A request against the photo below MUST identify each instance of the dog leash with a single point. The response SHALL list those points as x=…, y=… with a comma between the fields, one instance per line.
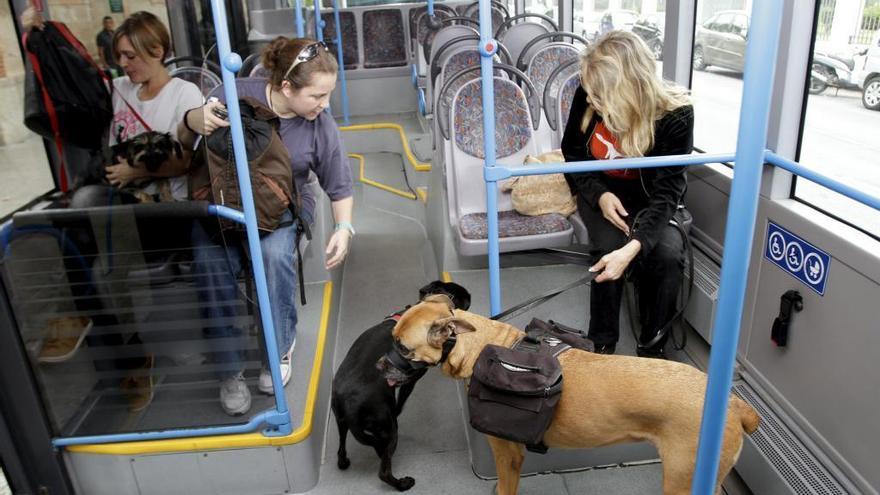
x=537, y=301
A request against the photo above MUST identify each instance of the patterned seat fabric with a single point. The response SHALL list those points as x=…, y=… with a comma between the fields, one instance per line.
x=512, y=123
x=546, y=60
x=349, y=37
x=385, y=25
x=565, y=98
x=512, y=224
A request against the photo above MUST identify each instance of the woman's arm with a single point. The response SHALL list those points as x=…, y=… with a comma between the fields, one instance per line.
x=337, y=247
x=675, y=136
x=589, y=185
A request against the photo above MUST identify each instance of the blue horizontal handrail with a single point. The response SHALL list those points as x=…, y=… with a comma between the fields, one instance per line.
x=821, y=179
x=501, y=172
x=227, y=213
x=254, y=423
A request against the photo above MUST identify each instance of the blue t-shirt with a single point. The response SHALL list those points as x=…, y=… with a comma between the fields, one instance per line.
x=314, y=145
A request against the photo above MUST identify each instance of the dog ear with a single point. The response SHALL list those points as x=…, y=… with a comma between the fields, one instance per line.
x=444, y=328
x=440, y=298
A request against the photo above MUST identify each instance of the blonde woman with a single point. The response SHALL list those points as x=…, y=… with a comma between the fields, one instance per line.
x=624, y=110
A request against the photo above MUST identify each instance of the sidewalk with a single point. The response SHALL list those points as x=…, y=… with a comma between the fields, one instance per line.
x=24, y=175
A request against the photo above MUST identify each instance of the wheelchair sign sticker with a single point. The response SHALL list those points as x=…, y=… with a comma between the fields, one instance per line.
x=798, y=257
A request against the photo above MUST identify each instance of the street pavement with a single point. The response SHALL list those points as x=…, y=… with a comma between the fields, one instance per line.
x=840, y=139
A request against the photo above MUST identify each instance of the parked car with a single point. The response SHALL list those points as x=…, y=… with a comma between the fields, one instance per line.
x=617, y=19
x=650, y=29
x=868, y=76
x=721, y=41
x=587, y=25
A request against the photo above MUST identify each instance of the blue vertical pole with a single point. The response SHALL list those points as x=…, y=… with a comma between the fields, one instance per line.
x=430, y=8
x=300, y=25
x=741, y=213
x=319, y=23
x=231, y=62
x=488, y=47
x=341, y=60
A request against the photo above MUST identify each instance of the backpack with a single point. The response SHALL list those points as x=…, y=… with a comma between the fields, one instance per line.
x=214, y=177
x=274, y=189
x=66, y=97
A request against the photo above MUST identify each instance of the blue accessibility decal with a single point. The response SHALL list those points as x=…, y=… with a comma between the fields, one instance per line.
x=798, y=257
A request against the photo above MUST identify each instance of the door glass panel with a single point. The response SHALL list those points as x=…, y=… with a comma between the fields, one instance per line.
x=25, y=172
x=843, y=111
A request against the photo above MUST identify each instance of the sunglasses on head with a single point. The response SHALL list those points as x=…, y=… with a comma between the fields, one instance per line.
x=306, y=54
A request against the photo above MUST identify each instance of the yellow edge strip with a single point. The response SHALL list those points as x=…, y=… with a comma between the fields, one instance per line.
x=239, y=440
x=373, y=183
x=417, y=165
x=446, y=277
x=423, y=194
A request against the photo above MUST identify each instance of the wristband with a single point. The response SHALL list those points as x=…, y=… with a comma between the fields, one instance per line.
x=345, y=225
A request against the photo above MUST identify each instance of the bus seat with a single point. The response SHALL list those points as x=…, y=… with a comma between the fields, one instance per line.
x=443, y=38
x=467, y=190
x=545, y=60
x=516, y=33
x=499, y=13
x=557, y=97
x=201, y=77
x=385, y=25
x=349, y=37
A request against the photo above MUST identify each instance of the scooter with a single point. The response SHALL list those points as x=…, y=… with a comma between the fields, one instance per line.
x=831, y=71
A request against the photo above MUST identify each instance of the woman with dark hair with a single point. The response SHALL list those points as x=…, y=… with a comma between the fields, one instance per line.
x=302, y=75
x=623, y=109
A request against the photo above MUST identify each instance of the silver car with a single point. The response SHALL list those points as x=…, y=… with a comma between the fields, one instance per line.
x=721, y=41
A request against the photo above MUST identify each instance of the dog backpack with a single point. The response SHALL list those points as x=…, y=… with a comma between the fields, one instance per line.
x=513, y=392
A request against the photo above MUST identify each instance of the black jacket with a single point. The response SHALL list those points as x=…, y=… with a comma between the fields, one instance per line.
x=673, y=135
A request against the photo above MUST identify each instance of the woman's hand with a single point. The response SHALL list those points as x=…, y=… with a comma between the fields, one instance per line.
x=614, y=264
x=121, y=174
x=337, y=248
x=203, y=120
x=613, y=211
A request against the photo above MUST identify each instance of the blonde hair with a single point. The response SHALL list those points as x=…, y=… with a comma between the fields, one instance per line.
x=279, y=55
x=147, y=34
x=619, y=76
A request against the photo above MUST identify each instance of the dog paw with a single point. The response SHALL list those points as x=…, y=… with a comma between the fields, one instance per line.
x=405, y=483
x=343, y=463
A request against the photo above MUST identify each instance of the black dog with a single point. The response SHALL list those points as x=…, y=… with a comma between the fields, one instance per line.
x=363, y=401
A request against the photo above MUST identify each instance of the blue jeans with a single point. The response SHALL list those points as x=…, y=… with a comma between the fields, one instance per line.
x=217, y=268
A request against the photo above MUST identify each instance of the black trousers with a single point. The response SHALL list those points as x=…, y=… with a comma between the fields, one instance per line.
x=657, y=275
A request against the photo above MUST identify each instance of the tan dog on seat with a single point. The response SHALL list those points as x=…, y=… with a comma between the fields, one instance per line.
x=606, y=399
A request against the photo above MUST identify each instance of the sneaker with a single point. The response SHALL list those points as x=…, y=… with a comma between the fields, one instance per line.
x=235, y=397
x=265, y=384
x=138, y=386
x=64, y=336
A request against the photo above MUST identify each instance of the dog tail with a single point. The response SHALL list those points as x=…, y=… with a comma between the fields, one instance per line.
x=748, y=416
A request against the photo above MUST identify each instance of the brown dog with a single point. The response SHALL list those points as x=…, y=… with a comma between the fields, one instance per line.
x=606, y=399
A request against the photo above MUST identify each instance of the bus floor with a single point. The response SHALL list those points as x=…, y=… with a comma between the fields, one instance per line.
x=391, y=258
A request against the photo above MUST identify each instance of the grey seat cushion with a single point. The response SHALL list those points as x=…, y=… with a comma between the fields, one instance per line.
x=512, y=224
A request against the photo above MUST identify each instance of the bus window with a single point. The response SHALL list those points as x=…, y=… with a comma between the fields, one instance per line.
x=716, y=84
x=25, y=172
x=840, y=125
